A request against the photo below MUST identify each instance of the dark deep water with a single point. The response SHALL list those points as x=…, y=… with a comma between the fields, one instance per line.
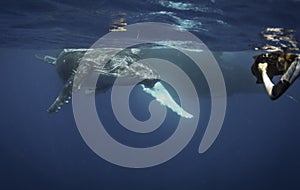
x=256, y=148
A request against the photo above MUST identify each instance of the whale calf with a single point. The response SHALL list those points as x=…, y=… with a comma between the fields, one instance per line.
x=75, y=65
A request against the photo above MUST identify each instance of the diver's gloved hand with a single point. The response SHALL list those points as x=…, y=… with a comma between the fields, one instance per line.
x=263, y=67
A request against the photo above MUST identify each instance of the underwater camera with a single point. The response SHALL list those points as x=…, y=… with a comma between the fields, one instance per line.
x=278, y=63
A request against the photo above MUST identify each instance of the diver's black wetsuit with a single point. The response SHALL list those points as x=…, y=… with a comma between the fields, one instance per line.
x=287, y=79
x=279, y=89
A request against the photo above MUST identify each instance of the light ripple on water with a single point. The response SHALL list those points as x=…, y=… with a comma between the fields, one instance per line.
x=189, y=7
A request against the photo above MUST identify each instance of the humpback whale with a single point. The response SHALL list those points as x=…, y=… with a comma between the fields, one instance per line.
x=74, y=65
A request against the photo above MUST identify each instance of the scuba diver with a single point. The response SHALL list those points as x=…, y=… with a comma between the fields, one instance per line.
x=268, y=65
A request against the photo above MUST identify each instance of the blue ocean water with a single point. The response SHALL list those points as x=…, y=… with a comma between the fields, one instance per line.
x=256, y=148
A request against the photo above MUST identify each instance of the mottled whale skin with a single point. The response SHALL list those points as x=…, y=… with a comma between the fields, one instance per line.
x=70, y=60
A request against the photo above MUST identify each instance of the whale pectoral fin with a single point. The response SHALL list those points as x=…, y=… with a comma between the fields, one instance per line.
x=149, y=83
x=63, y=98
x=46, y=58
x=161, y=94
x=74, y=82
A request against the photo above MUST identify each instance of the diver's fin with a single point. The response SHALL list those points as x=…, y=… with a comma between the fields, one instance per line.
x=64, y=96
x=161, y=94
x=46, y=58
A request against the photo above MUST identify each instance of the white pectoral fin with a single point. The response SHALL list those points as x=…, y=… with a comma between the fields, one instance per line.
x=161, y=94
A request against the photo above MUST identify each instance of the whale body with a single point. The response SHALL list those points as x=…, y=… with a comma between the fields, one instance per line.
x=75, y=65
